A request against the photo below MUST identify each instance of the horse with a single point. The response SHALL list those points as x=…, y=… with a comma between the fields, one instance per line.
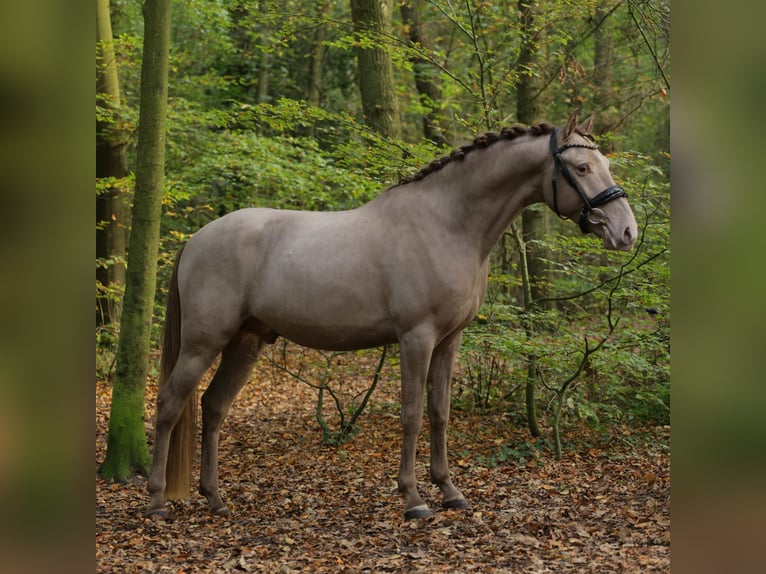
x=410, y=266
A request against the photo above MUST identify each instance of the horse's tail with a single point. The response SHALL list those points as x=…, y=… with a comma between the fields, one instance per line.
x=184, y=436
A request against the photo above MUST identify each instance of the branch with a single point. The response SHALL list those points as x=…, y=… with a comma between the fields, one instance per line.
x=367, y=395
x=480, y=61
x=561, y=391
x=648, y=45
x=623, y=267
x=605, y=281
x=571, y=47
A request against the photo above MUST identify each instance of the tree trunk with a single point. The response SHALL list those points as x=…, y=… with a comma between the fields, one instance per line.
x=262, y=90
x=603, y=97
x=126, y=441
x=314, y=87
x=534, y=221
x=603, y=92
x=110, y=163
x=529, y=330
x=314, y=91
x=526, y=107
x=375, y=69
x=426, y=83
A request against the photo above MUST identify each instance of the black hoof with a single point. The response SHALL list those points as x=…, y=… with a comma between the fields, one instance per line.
x=418, y=512
x=456, y=504
x=157, y=514
x=223, y=511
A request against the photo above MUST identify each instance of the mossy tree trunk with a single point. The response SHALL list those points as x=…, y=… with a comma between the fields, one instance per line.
x=126, y=442
x=375, y=68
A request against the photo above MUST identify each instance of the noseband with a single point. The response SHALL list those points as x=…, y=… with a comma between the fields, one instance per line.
x=609, y=194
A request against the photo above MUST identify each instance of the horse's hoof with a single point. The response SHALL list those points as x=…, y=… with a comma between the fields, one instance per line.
x=157, y=514
x=418, y=512
x=222, y=511
x=456, y=504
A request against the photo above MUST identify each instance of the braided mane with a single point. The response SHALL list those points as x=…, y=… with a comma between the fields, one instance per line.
x=480, y=142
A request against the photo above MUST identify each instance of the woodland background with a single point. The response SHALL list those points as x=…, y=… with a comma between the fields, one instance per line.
x=274, y=104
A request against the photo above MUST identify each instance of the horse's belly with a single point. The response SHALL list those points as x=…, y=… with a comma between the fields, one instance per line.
x=334, y=335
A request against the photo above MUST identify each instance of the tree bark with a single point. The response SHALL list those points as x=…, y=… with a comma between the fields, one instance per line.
x=111, y=211
x=314, y=91
x=426, y=83
x=526, y=107
x=316, y=58
x=262, y=90
x=375, y=69
x=603, y=99
x=603, y=92
x=534, y=221
x=126, y=441
x=529, y=331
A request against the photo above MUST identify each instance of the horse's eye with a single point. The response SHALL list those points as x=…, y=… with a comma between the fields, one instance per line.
x=583, y=168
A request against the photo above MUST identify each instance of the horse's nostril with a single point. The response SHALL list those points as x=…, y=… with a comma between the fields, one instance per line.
x=628, y=236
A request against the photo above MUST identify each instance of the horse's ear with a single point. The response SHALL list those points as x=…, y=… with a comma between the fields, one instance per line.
x=586, y=127
x=571, y=124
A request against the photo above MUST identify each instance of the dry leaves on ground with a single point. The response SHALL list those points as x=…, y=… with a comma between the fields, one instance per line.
x=301, y=506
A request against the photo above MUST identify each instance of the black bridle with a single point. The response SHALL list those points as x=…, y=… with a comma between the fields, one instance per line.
x=609, y=194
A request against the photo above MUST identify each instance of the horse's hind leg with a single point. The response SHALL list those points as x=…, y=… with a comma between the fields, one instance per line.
x=171, y=399
x=237, y=362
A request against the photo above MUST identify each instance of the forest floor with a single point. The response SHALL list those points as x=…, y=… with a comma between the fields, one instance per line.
x=300, y=505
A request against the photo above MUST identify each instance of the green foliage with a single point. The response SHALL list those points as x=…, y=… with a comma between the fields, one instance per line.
x=488, y=357
x=524, y=453
x=628, y=379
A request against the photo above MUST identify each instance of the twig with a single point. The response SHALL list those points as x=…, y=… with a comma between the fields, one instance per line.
x=648, y=45
x=623, y=271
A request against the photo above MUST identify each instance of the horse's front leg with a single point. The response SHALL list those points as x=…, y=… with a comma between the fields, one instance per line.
x=439, y=375
x=415, y=351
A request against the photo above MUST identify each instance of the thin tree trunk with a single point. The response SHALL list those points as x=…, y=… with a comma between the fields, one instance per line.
x=262, y=90
x=426, y=83
x=264, y=75
x=526, y=107
x=375, y=69
x=111, y=211
x=533, y=220
x=603, y=91
x=527, y=322
x=314, y=91
x=316, y=58
x=602, y=71
x=126, y=441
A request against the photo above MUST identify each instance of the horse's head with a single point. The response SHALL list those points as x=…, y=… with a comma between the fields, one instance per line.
x=582, y=188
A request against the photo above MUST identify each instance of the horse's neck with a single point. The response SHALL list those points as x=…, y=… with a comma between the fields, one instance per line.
x=492, y=186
